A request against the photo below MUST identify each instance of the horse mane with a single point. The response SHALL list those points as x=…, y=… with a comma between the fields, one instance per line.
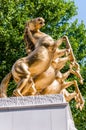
x=28, y=43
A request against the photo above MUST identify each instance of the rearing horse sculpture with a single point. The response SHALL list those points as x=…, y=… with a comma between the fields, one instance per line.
x=59, y=64
x=29, y=72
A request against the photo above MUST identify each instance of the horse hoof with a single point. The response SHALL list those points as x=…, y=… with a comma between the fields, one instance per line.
x=3, y=95
x=81, y=108
x=77, y=105
x=81, y=81
x=17, y=93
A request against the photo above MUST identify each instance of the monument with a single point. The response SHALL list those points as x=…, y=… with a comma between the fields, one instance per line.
x=39, y=82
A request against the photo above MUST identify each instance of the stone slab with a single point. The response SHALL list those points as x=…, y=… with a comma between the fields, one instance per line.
x=30, y=101
x=47, y=112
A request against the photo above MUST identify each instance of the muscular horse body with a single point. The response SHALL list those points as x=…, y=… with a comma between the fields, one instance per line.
x=39, y=72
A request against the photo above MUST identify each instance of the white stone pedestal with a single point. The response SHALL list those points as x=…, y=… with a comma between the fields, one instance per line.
x=48, y=112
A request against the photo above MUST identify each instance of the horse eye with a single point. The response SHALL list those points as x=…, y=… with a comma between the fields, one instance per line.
x=39, y=19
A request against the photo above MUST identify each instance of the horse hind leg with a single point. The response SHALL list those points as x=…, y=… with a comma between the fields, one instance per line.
x=29, y=89
x=22, y=71
x=26, y=90
x=22, y=84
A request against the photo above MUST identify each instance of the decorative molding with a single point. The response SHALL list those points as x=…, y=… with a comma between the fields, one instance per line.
x=30, y=101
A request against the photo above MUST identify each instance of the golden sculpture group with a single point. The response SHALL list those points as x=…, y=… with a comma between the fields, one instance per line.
x=39, y=72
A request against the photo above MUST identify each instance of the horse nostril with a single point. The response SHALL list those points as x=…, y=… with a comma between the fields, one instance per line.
x=41, y=22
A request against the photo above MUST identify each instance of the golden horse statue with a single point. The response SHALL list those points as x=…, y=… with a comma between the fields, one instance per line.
x=45, y=79
x=39, y=72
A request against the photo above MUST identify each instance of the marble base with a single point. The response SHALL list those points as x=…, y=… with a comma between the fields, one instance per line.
x=49, y=112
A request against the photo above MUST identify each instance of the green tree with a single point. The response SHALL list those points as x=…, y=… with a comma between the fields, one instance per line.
x=57, y=14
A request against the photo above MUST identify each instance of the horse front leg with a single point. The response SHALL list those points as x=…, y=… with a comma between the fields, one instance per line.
x=68, y=96
x=59, y=42
x=59, y=63
x=77, y=74
x=76, y=71
x=78, y=97
x=60, y=52
x=65, y=75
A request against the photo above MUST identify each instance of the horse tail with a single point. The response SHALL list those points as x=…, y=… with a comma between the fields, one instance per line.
x=4, y=85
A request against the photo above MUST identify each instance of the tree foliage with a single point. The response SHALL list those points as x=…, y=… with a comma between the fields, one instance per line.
x=57, y=14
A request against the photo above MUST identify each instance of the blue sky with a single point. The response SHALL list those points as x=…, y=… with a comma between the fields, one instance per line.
x=81, y=4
